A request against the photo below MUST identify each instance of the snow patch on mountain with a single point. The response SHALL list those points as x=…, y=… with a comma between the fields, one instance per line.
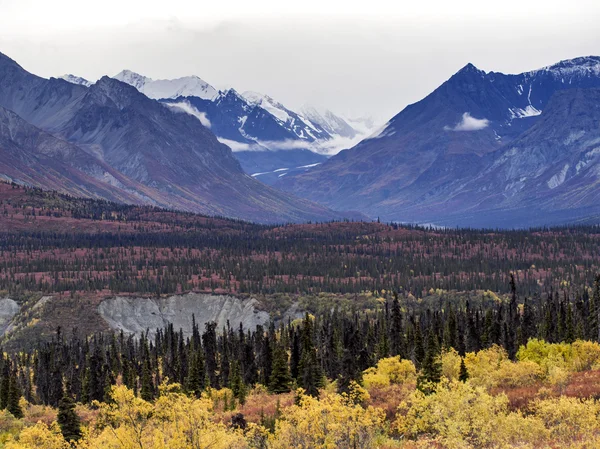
x=274, y=108
x=529, y=111
x=582, y=66
x=558, y=178
x=329, y=121
x=76, y=80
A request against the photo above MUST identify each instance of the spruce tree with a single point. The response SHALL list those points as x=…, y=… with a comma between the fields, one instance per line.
x=4, y=381
x=68, y=420
x=431, y=370
x=463, y=374
x=280, y=375
x=419, y=350
x=295, y=356
x=196, y=373
x=147, y=390
x=310, y=375
x=14, y=395
x=396, y=330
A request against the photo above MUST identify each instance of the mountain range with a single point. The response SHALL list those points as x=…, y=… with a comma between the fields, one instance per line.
x=483, y=149
x=110, y=141
x=266, y=137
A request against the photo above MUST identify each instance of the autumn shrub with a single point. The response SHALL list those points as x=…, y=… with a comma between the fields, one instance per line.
x=9, y=426
x=174, y=420
x=390, y=371
x=569, y=419
x=450, y=364
x=460, y=415
x=516, y=374
x=331, y=422
x=39, y=436
x=585, y=355
x=481, y=365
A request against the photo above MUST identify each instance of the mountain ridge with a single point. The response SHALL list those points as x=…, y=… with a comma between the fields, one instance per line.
x=178, y=161
x=411, y=169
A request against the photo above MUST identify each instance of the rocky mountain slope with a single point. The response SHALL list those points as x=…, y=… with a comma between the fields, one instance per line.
x=137, y=146
x=424, y=164
x=264, y=134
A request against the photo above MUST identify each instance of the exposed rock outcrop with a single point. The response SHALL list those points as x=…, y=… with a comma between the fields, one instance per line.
x=136, y=315
x=8, y=309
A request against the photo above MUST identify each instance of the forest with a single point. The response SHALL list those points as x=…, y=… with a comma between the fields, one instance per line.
x=512, y=362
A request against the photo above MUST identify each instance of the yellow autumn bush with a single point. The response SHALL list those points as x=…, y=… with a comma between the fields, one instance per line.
x=174, y=420
x=39, y=436
x=569, y=419
x=578, y=356
x=389, y=371
x=450, y=364
x=481, y=365
x=460, y=416
x=328, y=423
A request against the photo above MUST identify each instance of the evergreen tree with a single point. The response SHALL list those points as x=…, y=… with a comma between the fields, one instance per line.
x=310, y=375
x=147, y=390
x=14, y=396
x=209, y=341
x=295, y=355
x=196, y=373
x=396, y=330
x=419, y=350
x=280, y=376
x=431, y=371
x=4, y=381
x=463, y=374
x=68, y=420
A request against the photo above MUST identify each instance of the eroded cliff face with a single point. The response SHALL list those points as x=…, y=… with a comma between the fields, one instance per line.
x=8, y=309
x=136, y=315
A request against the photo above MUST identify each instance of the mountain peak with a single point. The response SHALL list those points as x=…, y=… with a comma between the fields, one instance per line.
x=73, y=79
x=187, y=86
x=470, y=68
x=132, y=78
x=581, y=66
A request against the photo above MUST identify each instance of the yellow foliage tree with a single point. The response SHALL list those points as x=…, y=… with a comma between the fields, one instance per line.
x=459, y=416
x=173, y=421
x=39, y=436
x=329, y=423
x=391, y=370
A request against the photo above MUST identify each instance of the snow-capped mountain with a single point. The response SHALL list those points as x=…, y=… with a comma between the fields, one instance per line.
x=426, y=163
x=111, y=141
x=301, y=127
x=253, y=122
x=188, y=86
x=76, y=80
x=333, y=124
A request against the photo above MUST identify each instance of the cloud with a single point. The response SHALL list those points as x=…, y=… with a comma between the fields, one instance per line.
x=325, y=147
x=469, y=123
x=185, y=106
x=241, y=146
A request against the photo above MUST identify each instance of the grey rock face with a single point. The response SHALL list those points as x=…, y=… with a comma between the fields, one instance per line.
x=136, y=315
x=8, y=309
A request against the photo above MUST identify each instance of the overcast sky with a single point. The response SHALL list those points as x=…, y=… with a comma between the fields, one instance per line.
x=367, y=57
